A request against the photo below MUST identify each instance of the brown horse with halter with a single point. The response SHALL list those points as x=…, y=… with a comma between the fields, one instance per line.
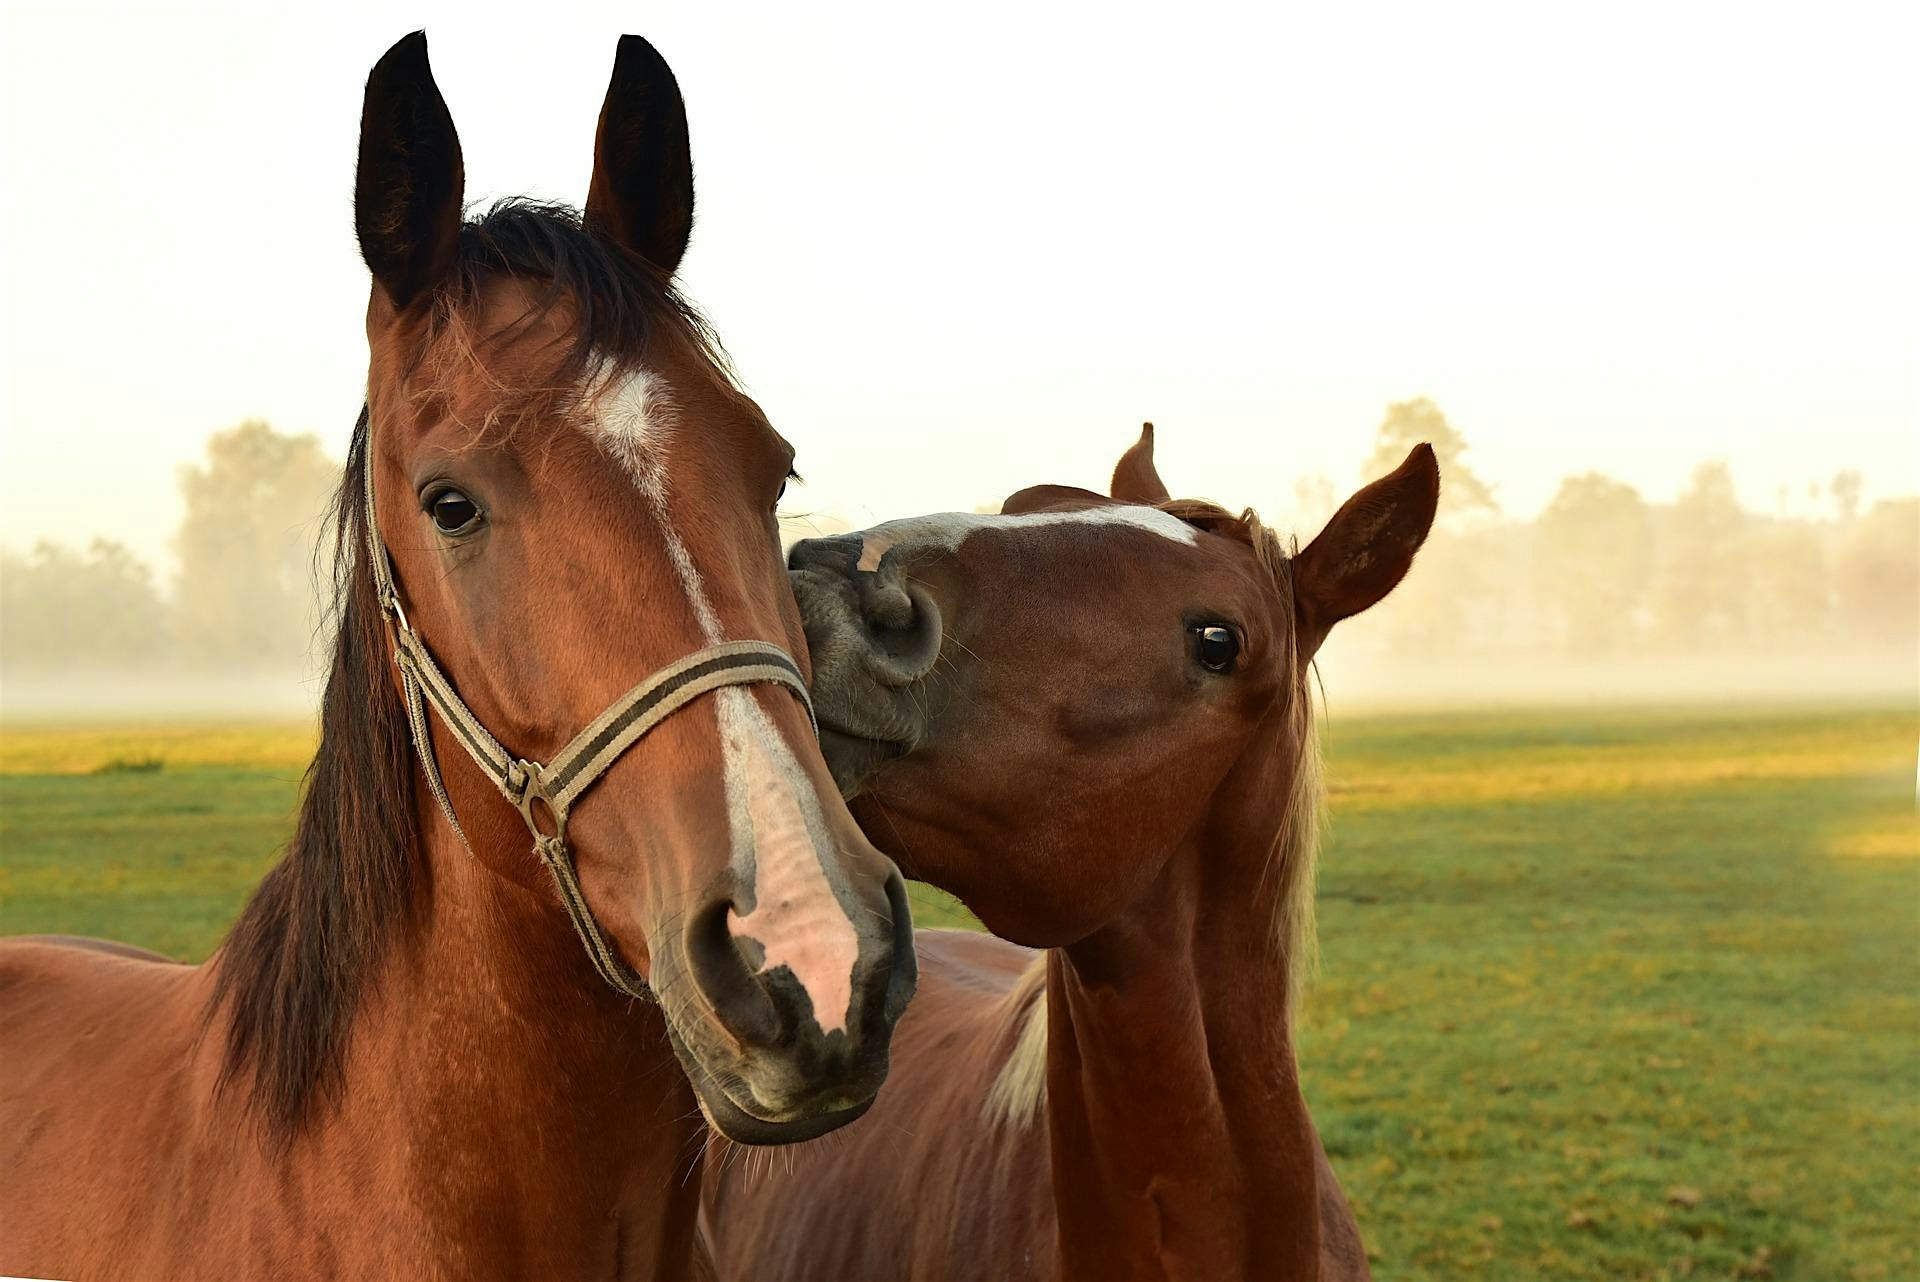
x=569, y=870
x=1089, y=718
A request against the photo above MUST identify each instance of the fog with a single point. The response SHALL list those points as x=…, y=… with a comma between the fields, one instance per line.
x=1602, y=597
x=952, y=259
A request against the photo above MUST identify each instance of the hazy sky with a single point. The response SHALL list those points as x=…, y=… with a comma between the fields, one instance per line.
x=958, y=250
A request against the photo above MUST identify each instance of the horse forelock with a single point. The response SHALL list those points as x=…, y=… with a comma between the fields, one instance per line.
x=579, y=317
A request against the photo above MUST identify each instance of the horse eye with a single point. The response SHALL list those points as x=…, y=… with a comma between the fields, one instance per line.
x=1216, y=646
x=453, y=512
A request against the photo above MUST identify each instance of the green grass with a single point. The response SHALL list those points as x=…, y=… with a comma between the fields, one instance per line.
x=1604, y=994
x=1623, y=996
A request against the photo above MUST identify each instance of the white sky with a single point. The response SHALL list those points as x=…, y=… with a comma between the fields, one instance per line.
x=958, y=250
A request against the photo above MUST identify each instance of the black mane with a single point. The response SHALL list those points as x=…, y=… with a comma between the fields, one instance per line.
x=296, y=964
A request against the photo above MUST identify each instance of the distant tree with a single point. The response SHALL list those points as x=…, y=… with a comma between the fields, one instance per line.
x=1703, y=586
x=1790, y=591
x=1460, y=597
x=64, y=609
x=1407, y=424
x=1846, y=487
x=1593, y=561
x=1877, y=577
x=245, y=595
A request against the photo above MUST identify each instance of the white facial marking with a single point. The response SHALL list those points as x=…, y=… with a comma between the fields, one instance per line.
x=773, y=808
x=778, y=829
x=637, y=423
x=872, y=548
x=946, y=531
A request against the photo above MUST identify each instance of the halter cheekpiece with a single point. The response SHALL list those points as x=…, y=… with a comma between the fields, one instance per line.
x=544, y=794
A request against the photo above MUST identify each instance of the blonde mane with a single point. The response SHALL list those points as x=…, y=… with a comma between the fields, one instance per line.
x=1019, y=1090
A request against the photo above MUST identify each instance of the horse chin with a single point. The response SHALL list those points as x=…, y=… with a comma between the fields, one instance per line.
x=742, y=1127
x=733, y=1119
x=853, y=759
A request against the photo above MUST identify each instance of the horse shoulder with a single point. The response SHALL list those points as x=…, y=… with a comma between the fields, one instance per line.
x=103, y=1066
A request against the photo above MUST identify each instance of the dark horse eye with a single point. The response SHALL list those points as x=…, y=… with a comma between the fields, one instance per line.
x=453, y=512
x=1216, y=646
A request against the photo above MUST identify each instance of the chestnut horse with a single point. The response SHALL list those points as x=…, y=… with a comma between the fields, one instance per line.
x=402, y=1062
x=1089, y=719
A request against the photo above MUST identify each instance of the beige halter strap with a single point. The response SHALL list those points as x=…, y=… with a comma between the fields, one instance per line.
x=553, y=788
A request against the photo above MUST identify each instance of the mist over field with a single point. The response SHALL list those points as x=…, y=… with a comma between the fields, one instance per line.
x=1600, y=597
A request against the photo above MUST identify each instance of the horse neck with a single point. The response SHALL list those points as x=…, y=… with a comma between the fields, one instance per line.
x=1181, y=1144
x=546, y=1111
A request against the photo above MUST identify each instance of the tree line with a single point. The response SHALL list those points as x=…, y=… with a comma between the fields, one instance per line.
x=1600, y=572
x=243, y=599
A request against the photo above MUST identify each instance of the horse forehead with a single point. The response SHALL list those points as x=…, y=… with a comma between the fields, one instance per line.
x=946, y=531
x=638, y=411
x=633, y=410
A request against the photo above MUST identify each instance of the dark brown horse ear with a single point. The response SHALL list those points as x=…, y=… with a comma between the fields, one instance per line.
x=407, y=190
x=1367, y=547
x=642, y=191
x=1134, y=477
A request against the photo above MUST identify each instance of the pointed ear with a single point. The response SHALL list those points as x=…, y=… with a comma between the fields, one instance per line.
x=642, y=191
x=1134, y=478
x=407, y=189
x=1367, y=547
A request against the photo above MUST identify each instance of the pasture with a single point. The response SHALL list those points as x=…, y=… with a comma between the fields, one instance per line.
x=1604, y=994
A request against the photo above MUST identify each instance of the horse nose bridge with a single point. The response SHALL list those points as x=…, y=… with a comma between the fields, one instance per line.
x=800, y=902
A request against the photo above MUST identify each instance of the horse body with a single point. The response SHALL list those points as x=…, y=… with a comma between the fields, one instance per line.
x=1166, y=1137
x=402, y=1062
x=1090, y=722
x=973, y=1189
x=500, y=1119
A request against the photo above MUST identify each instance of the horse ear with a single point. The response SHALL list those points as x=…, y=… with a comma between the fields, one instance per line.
x=1134, y=477
x=642, y=191
x=407, y=189
x=1367, y=547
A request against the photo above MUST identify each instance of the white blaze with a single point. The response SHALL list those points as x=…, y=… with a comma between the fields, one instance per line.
x=778, y=828
x=773, y=809
x=948, y=530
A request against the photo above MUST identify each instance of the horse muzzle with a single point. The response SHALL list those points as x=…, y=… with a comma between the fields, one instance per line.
x=875, y=637
x=767, y=1064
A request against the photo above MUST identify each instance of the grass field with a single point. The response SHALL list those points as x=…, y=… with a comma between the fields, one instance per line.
x=1604, y=994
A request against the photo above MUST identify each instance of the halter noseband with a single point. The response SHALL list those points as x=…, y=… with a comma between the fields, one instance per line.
x=554, y=787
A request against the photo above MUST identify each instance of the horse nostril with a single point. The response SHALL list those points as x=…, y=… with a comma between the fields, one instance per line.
x=906, y=967
x=889, y=607
x=724, y=977
x=903, y=633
